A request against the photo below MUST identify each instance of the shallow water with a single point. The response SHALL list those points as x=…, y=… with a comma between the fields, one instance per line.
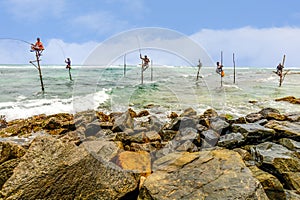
x=171, y=89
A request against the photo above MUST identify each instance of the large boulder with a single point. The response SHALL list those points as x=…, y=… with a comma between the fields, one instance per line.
x=254, y=132
x=272, y=186
x=217, y=174
x=123, y=122
x=285, y=129
x=279, y=161
x=52, y=169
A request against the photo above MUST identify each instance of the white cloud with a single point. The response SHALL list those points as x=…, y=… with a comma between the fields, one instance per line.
x=56, y=51
x=34, y=9
x=100, y=22
x=252, y=47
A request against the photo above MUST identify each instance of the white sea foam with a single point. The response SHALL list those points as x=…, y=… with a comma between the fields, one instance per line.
x=90, y=101
x=24, y=109
x=19, y=110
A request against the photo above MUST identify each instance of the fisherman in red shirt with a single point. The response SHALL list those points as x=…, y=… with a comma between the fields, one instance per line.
x=38, y=46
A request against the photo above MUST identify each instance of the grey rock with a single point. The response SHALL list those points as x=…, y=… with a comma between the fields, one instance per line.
x=51, y=169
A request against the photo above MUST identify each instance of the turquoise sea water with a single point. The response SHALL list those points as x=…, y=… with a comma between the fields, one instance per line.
x=171, y=89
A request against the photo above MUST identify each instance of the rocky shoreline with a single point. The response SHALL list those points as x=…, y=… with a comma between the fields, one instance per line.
x=93, y=155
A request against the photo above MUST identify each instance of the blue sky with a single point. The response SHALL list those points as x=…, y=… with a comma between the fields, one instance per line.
x=80, y=25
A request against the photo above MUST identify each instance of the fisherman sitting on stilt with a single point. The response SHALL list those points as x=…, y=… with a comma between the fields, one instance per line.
x=145, y=62
x=219, y=69
x=279, y=69
x=38, y=47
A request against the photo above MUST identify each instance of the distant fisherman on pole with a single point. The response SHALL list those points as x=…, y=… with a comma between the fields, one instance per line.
x=145, y=63
x=219, y=69
x=68, y=66
x=68, y=62
x=279, y=69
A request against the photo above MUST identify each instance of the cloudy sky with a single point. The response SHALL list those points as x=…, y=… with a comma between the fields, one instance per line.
x=259, y=32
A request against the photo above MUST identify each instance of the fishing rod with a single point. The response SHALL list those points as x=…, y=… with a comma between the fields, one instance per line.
x=16, y=40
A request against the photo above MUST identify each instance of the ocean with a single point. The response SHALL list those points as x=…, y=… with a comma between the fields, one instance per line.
x=165, y=89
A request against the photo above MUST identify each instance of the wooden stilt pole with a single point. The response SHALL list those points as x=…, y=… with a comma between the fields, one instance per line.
x=142, y=74
x=70, y=74
x=281, y=74
x=233, y=68
x=222, y=68
x=124, y=65
x=151, y=70
x=37, y=55
x=199, y=67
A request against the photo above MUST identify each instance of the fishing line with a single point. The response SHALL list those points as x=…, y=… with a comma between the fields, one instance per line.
x=61, y=48
x=139, y=44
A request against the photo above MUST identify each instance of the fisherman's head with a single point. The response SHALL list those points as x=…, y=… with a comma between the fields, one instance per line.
x=145, y=56
x=38, y=39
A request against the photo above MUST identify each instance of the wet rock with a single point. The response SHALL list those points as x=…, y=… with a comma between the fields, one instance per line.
x=137, y=138
x=293, y=117
x=231, y=140
x=290, y=99
x=281, y=162
x=210, y=113
x=153, y=136
x=219, y=125
x=253, y=117
x=173, y=115
x=167, y=135
x=285, y=129
x=217, y=174
x=92, y=128
x=143, y=113
x=292, y=195
x=290, y=144
x=148, y=147
x=246, y=156
x=52, y=124
x=132, y=113
x=155, y=124
x=3, y=122
x=103, y=117
x=189, y=112
x=253, y=132
x=125, y=121
x=266, y=111
x=211, y=137
x=181, y=123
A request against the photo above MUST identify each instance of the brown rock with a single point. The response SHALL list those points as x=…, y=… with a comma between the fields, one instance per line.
x=172, y=115
x=9, y=150
x=290, y=99
x=270, y=183
x=103, y=117
x=51, y=169
x=143, y=113
x=216, y=174
x=137, y=162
